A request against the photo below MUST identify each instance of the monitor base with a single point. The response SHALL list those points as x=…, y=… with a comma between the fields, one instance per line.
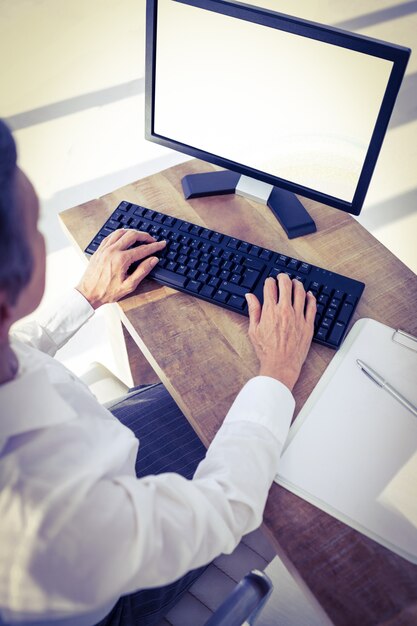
x=286, y=207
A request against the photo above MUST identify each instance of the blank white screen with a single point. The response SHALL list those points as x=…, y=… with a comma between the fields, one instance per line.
x=293, y=107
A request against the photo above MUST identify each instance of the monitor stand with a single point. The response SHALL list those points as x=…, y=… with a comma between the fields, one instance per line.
x=286, y=207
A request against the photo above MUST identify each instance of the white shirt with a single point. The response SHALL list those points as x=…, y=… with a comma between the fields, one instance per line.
x=77, y=528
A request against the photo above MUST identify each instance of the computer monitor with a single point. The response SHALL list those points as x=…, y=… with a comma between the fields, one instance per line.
x=286, y=105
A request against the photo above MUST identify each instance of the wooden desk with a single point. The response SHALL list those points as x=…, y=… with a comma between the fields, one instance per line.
x=203, y=356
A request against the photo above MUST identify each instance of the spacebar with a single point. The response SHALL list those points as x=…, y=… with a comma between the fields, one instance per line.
x=176, y=280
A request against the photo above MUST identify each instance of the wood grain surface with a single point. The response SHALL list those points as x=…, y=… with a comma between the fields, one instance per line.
x=203, y=356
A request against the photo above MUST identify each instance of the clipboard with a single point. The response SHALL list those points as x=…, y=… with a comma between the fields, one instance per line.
x=352, y=441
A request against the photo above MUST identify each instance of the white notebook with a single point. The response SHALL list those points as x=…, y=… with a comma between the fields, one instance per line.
x=352, y=450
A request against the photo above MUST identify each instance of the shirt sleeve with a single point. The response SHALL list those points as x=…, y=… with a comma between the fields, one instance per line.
x=138, y=533
x=53, y=329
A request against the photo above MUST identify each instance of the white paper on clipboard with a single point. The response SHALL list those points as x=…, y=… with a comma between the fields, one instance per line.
x=352, y=439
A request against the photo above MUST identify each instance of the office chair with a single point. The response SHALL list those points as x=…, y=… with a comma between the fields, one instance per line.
x=244, y=604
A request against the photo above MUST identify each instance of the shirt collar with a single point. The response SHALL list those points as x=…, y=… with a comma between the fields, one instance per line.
x=30, y=401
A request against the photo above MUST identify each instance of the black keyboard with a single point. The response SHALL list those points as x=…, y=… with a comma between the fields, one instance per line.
x=221, y=269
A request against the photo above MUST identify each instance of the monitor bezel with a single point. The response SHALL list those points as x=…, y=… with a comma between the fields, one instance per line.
x=399, y=55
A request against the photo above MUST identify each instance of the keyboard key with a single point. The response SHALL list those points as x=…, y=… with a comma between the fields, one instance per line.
x=326, y=323
x=185, y=226
x=192, y=263
x=254, y=263
x=214, y=282
x=169, y=221
x=304, y=268
x=322, y=334
x=232, y=288
x=233, y=243
x=171, y=266
x=274, y=272
x=345, y=313
x=301, y=279
x=192, y=273
x=225, y=275
x=159, y=218
x=235, y=279
x=237, y=269
x=238, y=258
x=244, y=246
x=293, y=264
x=196, y=230
x=135, y=223
x=350, y=299
x=124, y=206
x=203, y=267
x=194, y=285
x=92, y=248
x=206, y=247
x=265, y=254
x=140, y=210
x=113, y=224
x=167, y=276
x=337, y=333
x=282, y=259
x=250, y=278
x=205, y=233
x=255, y=250
x=149, y=214
x=221, y=296
x=203, y=277
x=237, y=302
x=195, y=244
x=216, y=237
x=182, y=269
x=207, y=291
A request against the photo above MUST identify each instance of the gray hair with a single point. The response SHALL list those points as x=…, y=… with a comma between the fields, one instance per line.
x=15, y=255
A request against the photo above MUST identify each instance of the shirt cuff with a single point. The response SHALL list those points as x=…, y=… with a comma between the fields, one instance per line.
x=74, y=311
x=266, y=401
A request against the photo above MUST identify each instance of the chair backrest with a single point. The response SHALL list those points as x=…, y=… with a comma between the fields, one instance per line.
x=246, y=601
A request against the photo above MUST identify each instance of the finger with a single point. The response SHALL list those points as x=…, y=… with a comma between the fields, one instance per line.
x=129, y=237
x=113, y=237
x=284, y=290
x=270, y=292
x=311, y=308
x=136, y=254
x=254, y=309
x=141, y=272
x=298, y=297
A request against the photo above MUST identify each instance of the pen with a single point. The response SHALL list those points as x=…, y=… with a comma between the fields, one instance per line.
x=381, y=382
